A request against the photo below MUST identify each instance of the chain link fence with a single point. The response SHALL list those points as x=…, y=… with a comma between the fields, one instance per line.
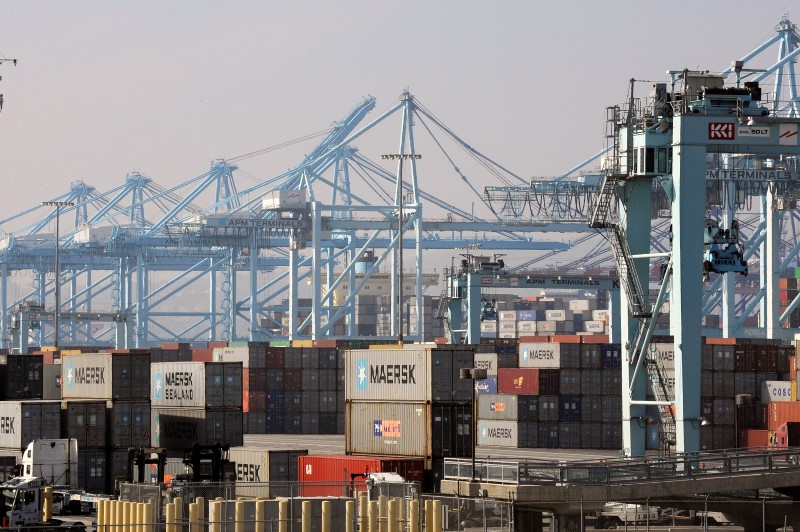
x=469, y=514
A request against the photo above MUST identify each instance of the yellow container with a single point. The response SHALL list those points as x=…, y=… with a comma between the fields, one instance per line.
x=386, y=346
x=302, y=343
x=793, y=390
x=71, y=352
x=48, y=348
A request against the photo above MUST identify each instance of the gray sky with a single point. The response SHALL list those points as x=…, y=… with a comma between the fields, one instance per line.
x=162, y=87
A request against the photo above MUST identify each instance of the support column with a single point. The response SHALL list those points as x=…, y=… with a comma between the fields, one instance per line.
x=3, y=304
x=729, y=280
x=688, y=213
x=292, y=292
x=614, y=316
x=212, y=300
x=635, y=211
x=771, y=265
x=473, y=308
x=253, y=315
x=316, y=229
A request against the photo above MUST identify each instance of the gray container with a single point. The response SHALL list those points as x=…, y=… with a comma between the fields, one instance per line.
x=539, y=355
x=87, y=423
x=745, y=383
x=592, y=408
x=196, y=384
x=130, y=424
x=570, y=382
x=612, y=381
x=724, y=384
x=120, y=469
x=177, y=429
x=24, y=421
x=388, y=428
x=51, y=382
x=93, y=471
x=498, y=433
x=498, y=407
x=591, y=381
x=548, y=408
x=389, y=374
x=724, y=357
x=105, y=376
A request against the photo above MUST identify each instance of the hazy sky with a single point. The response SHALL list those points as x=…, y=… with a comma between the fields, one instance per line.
x=103, y=88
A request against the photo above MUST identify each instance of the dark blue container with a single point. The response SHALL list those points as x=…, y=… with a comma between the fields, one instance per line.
x=611, y=356
x=569, y=408
x=486, y=386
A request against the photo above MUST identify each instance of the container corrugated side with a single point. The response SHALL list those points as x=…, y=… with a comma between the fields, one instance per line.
x=51, y=382
x=178, y=428
x=539, y=355
x=329, y=475
x=487, y=361
x=388, y=374
x=86, y=376
x=275, y=466
x=130, y=424
x=498, y=407
x=663, y=354
x=388, y=428
x=498, y=433
x=24, y=421
x=87, y=422
x=178, y=384
x=776, y=391
x=520, y=381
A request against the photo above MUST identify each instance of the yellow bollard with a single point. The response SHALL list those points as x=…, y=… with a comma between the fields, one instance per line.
x=148, y=517
x=413, y=516
x=201, y=505
x=216, y=511
x=391, y=516
x=363, y=505
x=240, y=517
x=140, y=519
x=349, y=516
x=169, y=517
x=114, y=516
x=372, y=515
x=283, y=516
x=47, y=504
x=193, y=524
x=261, y=510
x=308, y=516
x=326, y=516
x=437, y=515
x=101, y=515
x=428, y=515
x=383, y=512
x=126, y=517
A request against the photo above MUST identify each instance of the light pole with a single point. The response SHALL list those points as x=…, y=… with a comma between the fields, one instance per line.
x=473, y=374
x=57, y=205
x=401, y=157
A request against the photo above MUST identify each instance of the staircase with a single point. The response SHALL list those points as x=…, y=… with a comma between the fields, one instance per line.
x=442, y=313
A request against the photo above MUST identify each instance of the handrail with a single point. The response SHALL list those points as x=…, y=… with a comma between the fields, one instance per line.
x=623, y=471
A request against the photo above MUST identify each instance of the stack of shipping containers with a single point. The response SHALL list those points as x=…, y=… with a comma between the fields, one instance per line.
x=105, y=408
x=409, y=402
x=195, y=402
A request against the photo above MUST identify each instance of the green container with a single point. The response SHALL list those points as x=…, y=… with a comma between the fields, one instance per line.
x=797, y=272
x=280, y=343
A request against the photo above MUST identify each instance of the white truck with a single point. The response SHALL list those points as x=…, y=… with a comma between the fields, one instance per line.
x=56, y=461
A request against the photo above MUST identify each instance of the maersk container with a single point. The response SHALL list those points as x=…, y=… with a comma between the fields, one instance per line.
x=196, y=385
x=20, y=377
x=498, y=433
x=87, y=423
x=487, y=361
x=250, y=357
x=335, y=475
x=177, y=429
x=539, y=355
x=130, y=424
x=105, y=376
x=24, y=421
x=663, y=354
x=498, y=407
x=265, y=465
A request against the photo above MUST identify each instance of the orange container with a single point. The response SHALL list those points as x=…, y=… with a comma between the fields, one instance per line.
x=752, y=438
x=566, y=338
x=596, y=339
x=534, y=339
x=782, y=412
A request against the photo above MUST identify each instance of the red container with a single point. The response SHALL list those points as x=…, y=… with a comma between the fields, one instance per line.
x=595, y=339
x=753, y=438
x=518, y=381
x=566, y=338
x=275, y=357
x=534, y=339
x=332, y=475
x=202, y=355
x=212, y=345
x=782, y=412
x=324, y=343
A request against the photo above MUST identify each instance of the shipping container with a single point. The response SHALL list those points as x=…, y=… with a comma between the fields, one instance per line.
x=753, y=439
x=20, y=377
x=539, y=355
x=519, y=381
x=196, y=384
x=591, y=356
x=662, y=354
x=265, y=465
x=86, y=421
x=548, y=408
x=498, y=433
x=177, y=429
x=549, y=381
x=486, y=386
x=93, y=471
x=611, y=356
x=336, y=475
x=8, y=463
x=487, y=361
x=571, y=354
x=105, y=376
x=250, y=357
x=24, y=421
x=498, y=407
x=528, y=407
x=570, y=381
x=51, y=382
x=778, y=413
x=130, y=424
x=775, y=391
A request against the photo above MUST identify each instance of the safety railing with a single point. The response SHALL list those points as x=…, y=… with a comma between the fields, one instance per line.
x=623, y=471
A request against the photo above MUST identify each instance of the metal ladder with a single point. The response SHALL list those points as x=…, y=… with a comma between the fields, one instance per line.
x=443, y=314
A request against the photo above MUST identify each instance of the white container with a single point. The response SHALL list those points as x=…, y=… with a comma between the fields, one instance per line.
x=528, y=327
x=24, y=421
x=196, y=384
x=662, y=354
x=579, y=305
x=595, y=327
x=487, y=361
x=600, y=315
x=489, y=326
x=498, y=433
x=508, y=326
x=508, y=334
x=507, y=315
x=555, y=315
x=776, y=391
x=284, y=199
x=539, y=355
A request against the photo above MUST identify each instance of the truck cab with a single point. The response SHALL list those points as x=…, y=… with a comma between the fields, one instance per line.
x=22, y=502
